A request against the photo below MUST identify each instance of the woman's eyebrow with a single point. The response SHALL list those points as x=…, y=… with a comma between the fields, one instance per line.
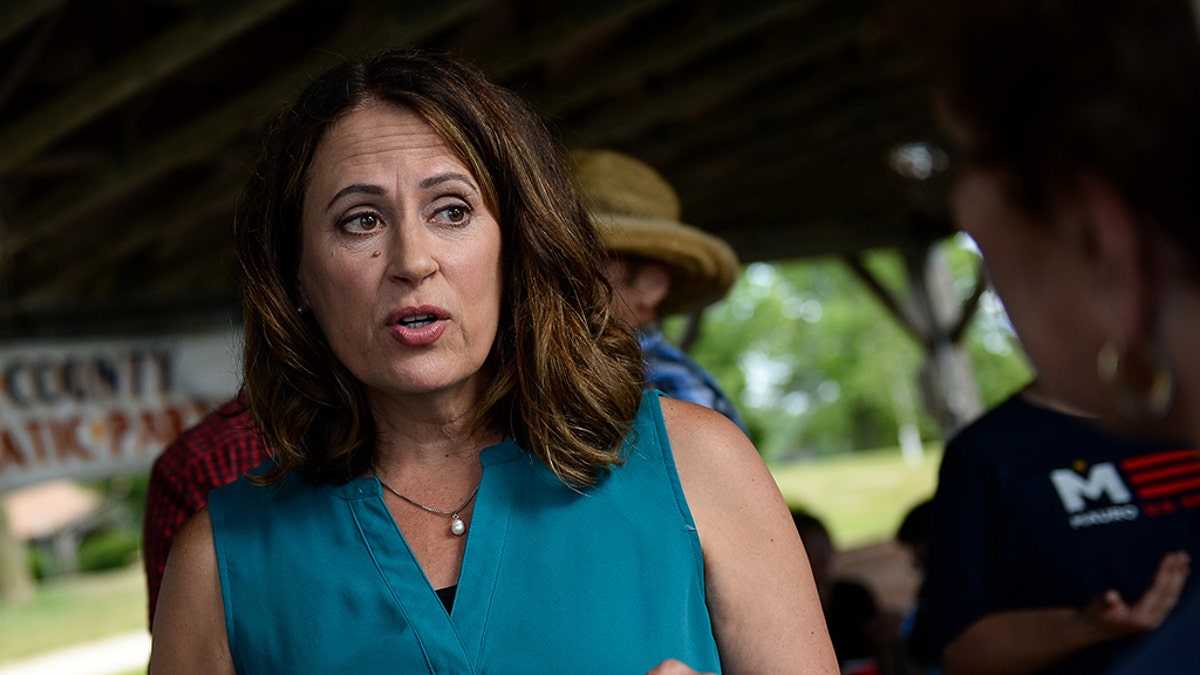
x=432, y=181
x=356, y=188
x=449, y=176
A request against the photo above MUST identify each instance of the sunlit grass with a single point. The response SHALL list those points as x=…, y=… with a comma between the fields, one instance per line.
x=68, y=612
x=862, y=496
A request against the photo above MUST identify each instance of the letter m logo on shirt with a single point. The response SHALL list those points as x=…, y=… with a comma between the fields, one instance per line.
x=1101, y=480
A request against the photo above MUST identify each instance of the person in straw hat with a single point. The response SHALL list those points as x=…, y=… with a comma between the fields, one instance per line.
x=658, y=266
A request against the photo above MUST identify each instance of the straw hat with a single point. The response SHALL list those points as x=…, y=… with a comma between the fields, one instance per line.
x=638, y=214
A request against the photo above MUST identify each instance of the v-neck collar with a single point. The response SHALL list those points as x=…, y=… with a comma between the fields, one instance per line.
x=445, y=637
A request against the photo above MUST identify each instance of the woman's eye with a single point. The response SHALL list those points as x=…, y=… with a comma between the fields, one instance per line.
x=361, y=222
x=456, y=214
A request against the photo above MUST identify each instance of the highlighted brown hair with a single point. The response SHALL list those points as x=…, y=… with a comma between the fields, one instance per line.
x=568, y=376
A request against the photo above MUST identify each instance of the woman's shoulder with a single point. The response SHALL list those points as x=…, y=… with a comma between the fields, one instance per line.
x=716, y=462
x=758, y=586
x=246, y=490
x=704, y=435
x=196, y=534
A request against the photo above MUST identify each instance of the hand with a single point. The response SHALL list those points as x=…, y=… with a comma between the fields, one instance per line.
x=673, y=667
x=1111, y=617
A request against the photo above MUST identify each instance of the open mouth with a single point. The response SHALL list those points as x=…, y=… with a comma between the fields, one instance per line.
x=417, y=321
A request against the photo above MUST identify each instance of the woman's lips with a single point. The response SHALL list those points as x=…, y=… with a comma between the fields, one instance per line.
x=418, y=326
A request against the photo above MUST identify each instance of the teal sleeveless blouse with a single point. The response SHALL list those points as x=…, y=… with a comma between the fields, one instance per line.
x=318, y=578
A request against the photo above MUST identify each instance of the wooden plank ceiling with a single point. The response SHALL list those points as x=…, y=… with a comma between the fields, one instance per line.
x=127, y=126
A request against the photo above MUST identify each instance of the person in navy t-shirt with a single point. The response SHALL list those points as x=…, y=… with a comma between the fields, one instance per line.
x=1046, y=544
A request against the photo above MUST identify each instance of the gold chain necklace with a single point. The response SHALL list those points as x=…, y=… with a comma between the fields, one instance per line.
x=457, y=526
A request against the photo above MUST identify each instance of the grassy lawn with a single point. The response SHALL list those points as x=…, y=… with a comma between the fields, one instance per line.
x=69, y=612
x=861, y=497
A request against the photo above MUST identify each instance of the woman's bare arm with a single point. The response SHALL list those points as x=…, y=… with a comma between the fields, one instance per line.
x=761, y=596
x=189, y=621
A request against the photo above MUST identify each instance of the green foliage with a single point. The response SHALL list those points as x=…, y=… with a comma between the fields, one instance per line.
x=117, y=537
x=818, y=366
x=127, y=490
x=39, y=566
x=111, y=549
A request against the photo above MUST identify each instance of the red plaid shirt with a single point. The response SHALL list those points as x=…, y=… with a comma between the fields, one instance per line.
x=217, y=450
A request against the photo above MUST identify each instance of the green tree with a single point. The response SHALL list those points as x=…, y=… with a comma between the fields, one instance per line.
x=818, y=366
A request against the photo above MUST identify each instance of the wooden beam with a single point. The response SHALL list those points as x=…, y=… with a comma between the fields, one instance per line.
x=189, y=212
x=793, y=100
x=877, y=119
x=17, y=15
x=813, y=176
x=194, y=141
x=903, y=312
x=805, y=235
x=732, y=21
x=133, y=73
x=176, y=269
x=970, y=306
x=573, y=24
x=19, y=67
x=620, y=120
x=96, y=314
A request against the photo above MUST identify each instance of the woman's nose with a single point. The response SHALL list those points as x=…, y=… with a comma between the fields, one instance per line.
x=412, y=255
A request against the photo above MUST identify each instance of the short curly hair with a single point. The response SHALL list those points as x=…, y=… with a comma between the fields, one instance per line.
x=1048, y=88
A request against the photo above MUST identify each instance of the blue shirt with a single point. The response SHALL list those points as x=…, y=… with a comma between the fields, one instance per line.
x=672, y=372
x=609, y=579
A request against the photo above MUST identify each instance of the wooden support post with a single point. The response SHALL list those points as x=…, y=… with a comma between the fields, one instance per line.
x=16, y=579
x=950, y=391
x=932, y=314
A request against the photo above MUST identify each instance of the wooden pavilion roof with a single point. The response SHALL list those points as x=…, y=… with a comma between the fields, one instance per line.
x=127, y=127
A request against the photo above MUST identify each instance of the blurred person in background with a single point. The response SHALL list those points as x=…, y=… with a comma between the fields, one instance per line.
x=1075, y=129
x=913, y=535
x=1042, y=548
x=865, y=636
x=657, y=265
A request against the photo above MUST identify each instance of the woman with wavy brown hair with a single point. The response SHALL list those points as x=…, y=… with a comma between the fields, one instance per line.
x=466, y=476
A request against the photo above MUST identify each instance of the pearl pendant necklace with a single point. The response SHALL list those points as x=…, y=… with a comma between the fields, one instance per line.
x=457, y=526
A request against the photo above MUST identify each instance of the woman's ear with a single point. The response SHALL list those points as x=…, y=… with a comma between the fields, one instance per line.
x=1120, y=256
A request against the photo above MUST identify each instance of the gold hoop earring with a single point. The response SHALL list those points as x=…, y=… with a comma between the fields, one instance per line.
x=1146, y=395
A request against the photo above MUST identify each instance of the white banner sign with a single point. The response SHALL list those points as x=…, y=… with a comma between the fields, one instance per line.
x=90, y=409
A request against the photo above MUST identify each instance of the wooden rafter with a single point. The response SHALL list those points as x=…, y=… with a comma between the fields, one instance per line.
x=901, y=310
x=575, y=23
x=195, y=140
x=17, y=15
x=615, y=122
x=131, y=74
x=642, y=60
x=194, y=209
